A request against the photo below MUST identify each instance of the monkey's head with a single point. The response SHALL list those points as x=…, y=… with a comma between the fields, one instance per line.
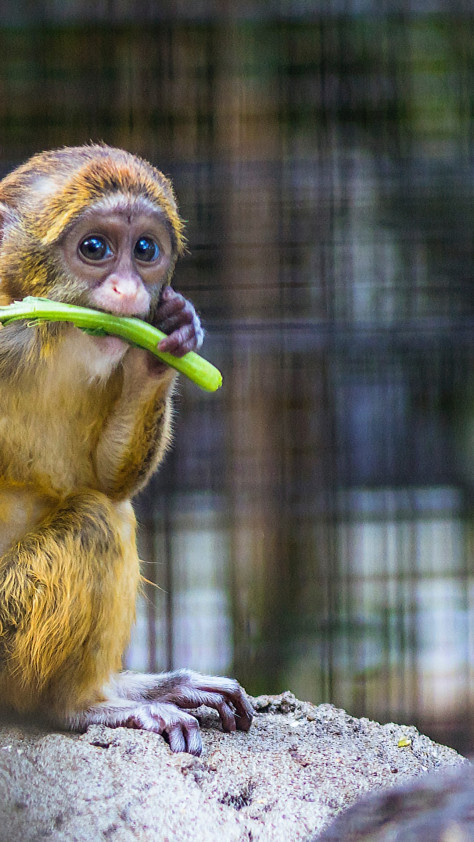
x=89, y=225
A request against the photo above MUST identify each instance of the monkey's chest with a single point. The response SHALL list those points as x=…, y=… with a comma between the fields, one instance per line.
x=21, y=509
x=50, y=452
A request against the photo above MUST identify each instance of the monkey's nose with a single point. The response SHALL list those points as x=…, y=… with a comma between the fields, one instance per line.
x=123, y=295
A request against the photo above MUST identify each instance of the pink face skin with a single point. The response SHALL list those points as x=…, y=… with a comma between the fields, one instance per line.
x=124, y=253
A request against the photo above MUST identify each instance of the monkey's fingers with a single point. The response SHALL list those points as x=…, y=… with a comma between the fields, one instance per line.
x=182, y=737
x=183, y=317
x=234, y=695
x=222, y=694
x=179, y=729
x=191, y=698
x=186, y=338
x=171, y=302
x=174, y=309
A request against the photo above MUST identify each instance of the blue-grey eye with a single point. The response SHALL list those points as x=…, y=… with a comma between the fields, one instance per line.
x=94, y=248
x=146, y=250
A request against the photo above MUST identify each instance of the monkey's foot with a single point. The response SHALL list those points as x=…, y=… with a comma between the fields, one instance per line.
x=179, y=729
x=159, y=703
x=187, y=689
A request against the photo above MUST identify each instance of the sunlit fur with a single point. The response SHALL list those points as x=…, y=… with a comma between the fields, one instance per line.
x=78, y=438
x=84, y=422
x=44, y=197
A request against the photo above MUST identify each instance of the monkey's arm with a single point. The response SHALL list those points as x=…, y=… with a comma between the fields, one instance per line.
x=137, y=432
x=135, y=436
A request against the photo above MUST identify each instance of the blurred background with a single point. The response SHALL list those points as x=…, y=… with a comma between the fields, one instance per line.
x=312, y=528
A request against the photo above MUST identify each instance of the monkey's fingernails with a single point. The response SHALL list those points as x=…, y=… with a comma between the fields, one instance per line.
x=176, y=739
x=243, y=720
x=166, y=292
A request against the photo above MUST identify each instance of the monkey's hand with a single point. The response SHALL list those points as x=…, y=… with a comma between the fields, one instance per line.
x=165, y=697
x=177, y=317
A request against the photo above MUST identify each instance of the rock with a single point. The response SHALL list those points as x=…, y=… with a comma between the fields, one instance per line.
x=435, y=808
x=285, y=780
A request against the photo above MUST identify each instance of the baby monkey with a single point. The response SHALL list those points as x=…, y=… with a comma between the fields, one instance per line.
x=84, y=422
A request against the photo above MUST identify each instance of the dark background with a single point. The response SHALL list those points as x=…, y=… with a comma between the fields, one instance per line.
x=312, y=528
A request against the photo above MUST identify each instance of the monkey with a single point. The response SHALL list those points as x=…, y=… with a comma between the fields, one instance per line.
x=84, y=422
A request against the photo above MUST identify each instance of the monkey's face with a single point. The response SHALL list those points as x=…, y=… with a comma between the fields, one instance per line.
x=120, y=257
x=88, y=225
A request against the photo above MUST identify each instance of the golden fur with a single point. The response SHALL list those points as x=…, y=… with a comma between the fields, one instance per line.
x=78, y=437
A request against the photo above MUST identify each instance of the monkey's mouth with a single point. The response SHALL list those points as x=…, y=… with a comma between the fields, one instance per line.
x=123, y=312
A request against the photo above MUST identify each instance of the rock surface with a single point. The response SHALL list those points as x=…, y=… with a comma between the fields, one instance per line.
x=285, y=780
x=433, y=808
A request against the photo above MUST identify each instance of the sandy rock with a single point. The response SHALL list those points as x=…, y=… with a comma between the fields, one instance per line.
x=285, y=780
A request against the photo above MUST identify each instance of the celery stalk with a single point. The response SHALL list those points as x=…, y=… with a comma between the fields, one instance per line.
x=133, y=330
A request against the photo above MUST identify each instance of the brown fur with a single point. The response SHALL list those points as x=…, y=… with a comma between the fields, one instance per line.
x=84, y=421
x=76, y=442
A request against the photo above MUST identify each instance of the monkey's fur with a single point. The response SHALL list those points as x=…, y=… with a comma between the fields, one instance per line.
x=81, y=431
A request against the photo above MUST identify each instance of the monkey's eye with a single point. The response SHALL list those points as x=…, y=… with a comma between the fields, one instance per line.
x=94, y=248
x=146, y=250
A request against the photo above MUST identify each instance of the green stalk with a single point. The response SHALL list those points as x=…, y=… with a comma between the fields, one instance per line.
x=133, y=330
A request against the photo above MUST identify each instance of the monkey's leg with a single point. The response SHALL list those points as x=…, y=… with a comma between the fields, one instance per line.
x=68, y=592
x=67, y=597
